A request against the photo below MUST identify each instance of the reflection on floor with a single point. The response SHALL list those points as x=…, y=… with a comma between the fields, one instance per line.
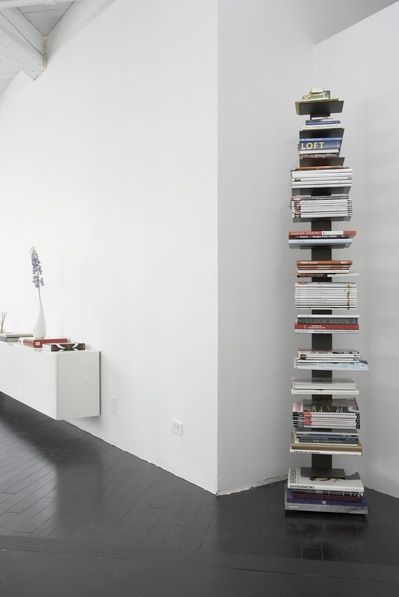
x=65, y=492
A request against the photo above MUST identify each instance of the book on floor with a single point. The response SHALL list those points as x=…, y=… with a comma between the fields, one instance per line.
x=351, y=483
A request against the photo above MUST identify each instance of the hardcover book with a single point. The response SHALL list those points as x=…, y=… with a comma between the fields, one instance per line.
x=64, y=346
x=339, y=505
x=13, y=336
x=351, y=483
x=36, y=343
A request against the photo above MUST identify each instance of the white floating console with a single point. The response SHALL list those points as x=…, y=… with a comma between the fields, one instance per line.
x=61, y=385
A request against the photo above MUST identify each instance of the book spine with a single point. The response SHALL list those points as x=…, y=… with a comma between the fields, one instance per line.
x=36, y=343
x=65, y=347
x=326, y=123
x=322, y=233
x=332, y=262
x=313, y=486
x=321, y=139
x=319, y=326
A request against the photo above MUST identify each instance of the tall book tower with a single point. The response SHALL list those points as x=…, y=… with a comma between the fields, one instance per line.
x=325, y=413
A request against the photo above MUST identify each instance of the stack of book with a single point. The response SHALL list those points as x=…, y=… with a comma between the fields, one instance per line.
x=13, y=336
x=326, y=494
x=321, y=176
x=326, y=324
x=311, y=146
x=326, y=427
x=326, y=442
x=330, y=360
x=318, y=238
x=320, y=140
x=337, y=386
x=316, y=93
x=321, y=123
x=326, y=295
x=324, y=269
x=308, y=207
x=53, y=344
x=339, y=413
x=326, y=416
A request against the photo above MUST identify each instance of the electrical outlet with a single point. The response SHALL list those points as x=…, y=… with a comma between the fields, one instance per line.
x=177, y=427
x=114, y=406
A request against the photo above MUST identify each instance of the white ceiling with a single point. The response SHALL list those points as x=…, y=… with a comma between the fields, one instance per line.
x=45, y=17
x=328, y=17
x=24, y=23
x=23, y=27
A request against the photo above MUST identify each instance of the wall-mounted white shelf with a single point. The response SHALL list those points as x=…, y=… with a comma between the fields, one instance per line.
x=61, y=385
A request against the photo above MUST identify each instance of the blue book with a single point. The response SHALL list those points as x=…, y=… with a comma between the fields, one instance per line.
x=311, y=139
x=321, y=121
x=319, y=144
x=361, y=503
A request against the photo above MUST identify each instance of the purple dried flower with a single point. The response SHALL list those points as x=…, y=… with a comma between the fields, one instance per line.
x=37, y=273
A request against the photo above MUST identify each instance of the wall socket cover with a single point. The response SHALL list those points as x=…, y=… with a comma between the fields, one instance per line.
x=177, y=427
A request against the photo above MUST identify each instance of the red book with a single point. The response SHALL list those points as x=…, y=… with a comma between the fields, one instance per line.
x=35, y=343
x=321, y=326
x=333, y=262
x=322, y=234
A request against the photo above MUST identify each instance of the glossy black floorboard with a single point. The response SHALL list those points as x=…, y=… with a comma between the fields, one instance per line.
x=71, y=504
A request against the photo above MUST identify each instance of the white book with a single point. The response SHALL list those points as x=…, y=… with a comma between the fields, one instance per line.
x=326, y=273
x=328, y=452
x=351, y=484
x=320, y=127
x=344, y=242
x=327, y=316
x=324, y=392
x=325, y=285
x=326, y=172
x=336, y=382
x=331, y=366
x=321, y=183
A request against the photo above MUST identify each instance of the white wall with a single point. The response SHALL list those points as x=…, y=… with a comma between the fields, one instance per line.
x=266, y=62
x=360, y=64
x=262, y=71
x=109, y=167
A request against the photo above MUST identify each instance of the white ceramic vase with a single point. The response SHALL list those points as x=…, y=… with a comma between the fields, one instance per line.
x=39, y=331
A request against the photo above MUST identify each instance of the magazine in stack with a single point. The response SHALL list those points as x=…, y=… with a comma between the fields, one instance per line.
x=324, y=269
x=311, y=145
x=325, y=494
x=330, y=386
x=338, y=413
x=303, y=239
x=321, y=176
x=326, y=324
x=329, y=360
x=326, y=295
x=320, y=123
x=307, y=207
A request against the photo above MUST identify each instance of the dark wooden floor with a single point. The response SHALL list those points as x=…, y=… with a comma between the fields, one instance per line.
x=80, y=517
